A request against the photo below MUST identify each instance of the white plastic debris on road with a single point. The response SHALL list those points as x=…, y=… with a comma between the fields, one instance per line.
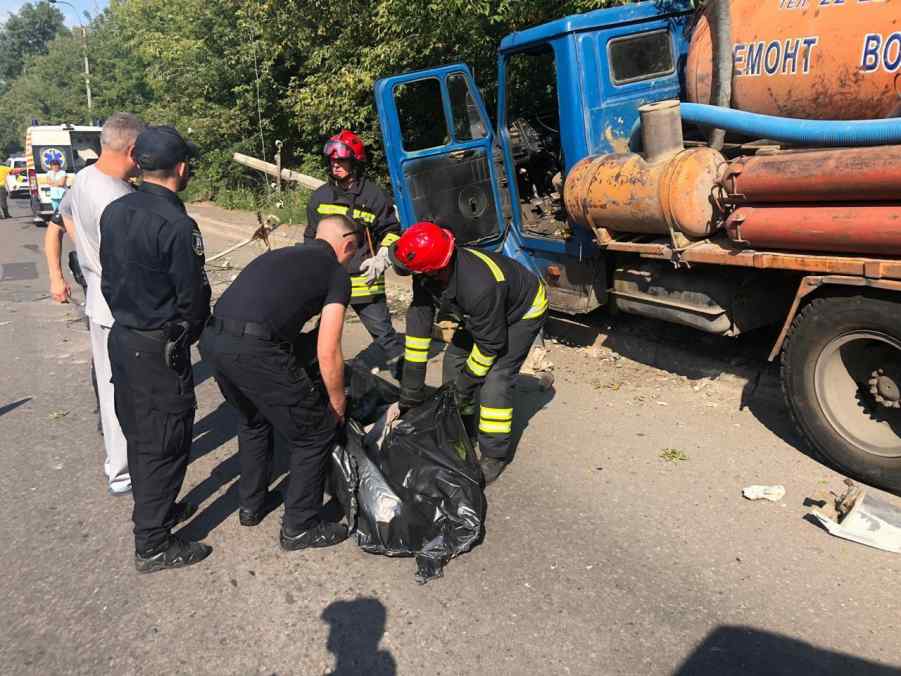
x=757, y=492
x=872, y=521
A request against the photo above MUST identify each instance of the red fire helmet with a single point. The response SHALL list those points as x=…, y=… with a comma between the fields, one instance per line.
x=424, y=247
x=344, y=145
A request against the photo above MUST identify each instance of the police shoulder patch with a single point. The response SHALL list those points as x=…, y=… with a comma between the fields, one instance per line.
x=198, y=243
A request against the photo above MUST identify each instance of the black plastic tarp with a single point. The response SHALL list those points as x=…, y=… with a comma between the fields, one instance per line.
x=417, y=494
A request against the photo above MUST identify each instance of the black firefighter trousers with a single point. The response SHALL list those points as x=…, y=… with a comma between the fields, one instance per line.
x=496, y=395
x=155, y=407
x=386, y=346
x=264, y=382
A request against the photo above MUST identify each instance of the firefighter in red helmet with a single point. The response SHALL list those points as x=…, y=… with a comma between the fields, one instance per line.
x=350, y=193
x=500, y=307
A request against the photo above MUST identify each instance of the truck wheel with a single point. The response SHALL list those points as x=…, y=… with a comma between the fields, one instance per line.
x=841, y=373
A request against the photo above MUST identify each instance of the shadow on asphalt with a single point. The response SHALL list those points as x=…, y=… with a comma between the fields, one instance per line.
x=751, y=652
x=214, y=429
x=6, y=408
x=529, y=398
x=202, y=372
x=355, y=630
x=210, y=433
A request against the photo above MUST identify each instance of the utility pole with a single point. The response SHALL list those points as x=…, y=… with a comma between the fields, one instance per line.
x=278, y=164
x=84, y=51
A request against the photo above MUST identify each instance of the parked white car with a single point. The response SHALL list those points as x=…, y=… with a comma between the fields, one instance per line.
x=17, y=179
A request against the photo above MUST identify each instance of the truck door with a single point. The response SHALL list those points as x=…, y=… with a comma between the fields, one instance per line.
x=441, y=152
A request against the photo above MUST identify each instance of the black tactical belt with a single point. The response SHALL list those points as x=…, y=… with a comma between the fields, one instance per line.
x=155, y=334
x=240, y=329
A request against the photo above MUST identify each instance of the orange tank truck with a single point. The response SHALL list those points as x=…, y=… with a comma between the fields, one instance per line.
x=812, y=59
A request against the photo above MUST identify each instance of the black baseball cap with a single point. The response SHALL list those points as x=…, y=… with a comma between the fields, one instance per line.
x=162, y=148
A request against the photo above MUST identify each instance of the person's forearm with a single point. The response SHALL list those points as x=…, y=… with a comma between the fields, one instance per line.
x=59, y=289
x=53, y=247
x=331, y=365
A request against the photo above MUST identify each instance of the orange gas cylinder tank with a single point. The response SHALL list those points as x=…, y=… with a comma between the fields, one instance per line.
x=810, y=59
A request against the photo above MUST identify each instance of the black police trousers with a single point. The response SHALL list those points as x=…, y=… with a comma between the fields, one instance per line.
x=386, y=344
x=155, y=407
x=265, y=383
x=496, y=395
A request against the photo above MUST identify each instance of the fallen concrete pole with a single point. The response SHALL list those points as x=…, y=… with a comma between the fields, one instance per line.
x=287, y=175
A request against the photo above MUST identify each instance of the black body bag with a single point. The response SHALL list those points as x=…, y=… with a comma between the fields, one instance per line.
x=417, y=494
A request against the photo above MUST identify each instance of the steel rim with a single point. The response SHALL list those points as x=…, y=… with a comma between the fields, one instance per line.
x=841, y=383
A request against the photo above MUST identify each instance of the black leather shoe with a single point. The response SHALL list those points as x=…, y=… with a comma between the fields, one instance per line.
x=492, y=468
x=177, y=553
x=250, y=518
x=323, y=534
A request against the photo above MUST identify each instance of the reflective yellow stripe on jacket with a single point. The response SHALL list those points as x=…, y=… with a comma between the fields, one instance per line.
x=539, y=305
x=358, y=214
x=479, y=363
x=496, y=271
x=416, y=350
x=495, y=420
x=360, y=289
x=389, y=239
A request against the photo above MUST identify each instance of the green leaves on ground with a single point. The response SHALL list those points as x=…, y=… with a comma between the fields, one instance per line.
x=673, y=455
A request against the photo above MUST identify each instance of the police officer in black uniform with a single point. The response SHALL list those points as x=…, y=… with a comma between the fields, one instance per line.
x=254, y=346
x=351, y=194
x=153, y=279
x=501, y=308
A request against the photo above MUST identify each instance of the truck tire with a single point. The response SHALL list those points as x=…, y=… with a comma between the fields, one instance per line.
x=841, y=370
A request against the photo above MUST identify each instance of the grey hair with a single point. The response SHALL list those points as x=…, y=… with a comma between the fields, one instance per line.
x=120, y=131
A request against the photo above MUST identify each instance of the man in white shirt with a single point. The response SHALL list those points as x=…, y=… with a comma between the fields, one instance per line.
x=94, y=188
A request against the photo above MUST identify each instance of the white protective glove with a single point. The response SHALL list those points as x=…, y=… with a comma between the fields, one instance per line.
x=375, y=267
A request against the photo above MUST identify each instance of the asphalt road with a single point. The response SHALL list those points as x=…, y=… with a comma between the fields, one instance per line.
x=600, y=556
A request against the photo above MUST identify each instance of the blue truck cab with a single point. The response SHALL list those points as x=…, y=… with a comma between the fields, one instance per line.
x=566, y=89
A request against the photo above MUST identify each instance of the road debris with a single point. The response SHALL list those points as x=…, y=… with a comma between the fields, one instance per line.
x=863, y=518
x=673, y=455
x=58, y=415
x=537, y=369
x=759, y=492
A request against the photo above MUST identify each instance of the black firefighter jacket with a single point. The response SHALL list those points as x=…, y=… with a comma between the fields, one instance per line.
x=486, y=293
x=373, y=209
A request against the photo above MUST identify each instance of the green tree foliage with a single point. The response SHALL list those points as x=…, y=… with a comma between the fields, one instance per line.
x=26, y=33
x=237, y=74
x=50, y=90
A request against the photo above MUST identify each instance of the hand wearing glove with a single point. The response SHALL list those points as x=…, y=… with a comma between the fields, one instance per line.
x=375, y=267
x=411, y=398
x=464, y=397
